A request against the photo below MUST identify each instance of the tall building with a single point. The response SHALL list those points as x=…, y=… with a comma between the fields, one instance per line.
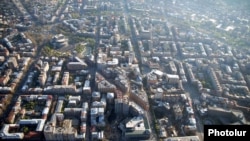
x=4, y=80
x=86, y=87
x=12, y=63
x=172, y=67
x=122, y=105
x=131, y=58
x=42, y=78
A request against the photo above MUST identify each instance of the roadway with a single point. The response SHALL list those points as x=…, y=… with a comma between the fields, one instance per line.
x=193, y=93
x=134, y=43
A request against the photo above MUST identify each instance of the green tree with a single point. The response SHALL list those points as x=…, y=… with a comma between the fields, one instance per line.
x=79, y=48
x=25, y=130
x=91, y=42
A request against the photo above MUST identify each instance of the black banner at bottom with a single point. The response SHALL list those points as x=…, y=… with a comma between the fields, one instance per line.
x=217, y=132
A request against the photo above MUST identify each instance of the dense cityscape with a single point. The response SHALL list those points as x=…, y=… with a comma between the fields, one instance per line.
x=122, y=70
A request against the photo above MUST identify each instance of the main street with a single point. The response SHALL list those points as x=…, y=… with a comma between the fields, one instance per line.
x=191, y=90
x=193, y=93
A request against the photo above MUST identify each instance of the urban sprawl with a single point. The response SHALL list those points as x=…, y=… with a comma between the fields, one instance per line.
x=76, y=70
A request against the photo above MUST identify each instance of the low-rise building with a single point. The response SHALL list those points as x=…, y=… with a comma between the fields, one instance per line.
x=137, y=128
